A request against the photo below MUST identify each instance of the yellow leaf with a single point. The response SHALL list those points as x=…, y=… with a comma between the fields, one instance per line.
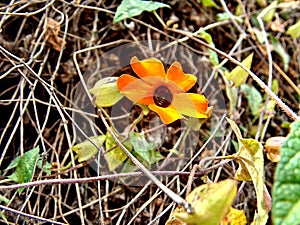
x=238, y=75
x=234, y=217
x=251, y=167
x=269, y=11
x=294, y=30
x=106, y=92
x=86, y=149
x=210, y=203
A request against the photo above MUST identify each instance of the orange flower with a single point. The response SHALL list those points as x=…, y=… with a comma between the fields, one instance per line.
x=164, y=93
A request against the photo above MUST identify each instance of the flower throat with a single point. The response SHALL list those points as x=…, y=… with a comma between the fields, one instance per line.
x=162, y=96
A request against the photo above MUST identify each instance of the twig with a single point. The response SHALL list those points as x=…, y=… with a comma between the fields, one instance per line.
x=94, y=179
x=176, y=198
x=30, y=216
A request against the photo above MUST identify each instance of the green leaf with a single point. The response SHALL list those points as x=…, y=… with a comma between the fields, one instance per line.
x=210, y=202
x=254, y=98
x=25, y=167
x=277, y=47
x=212, y=54
x=269, y=11
x=116, y=156
x=47, y=167
x=259, y=35
x=14, y=163
x=286, y=189
x=106, y=92
x=225, y=16
x=86, y=149
x=210, y=3
x=251, y=168
x=232, y=95
x=131, y=8
x=4, y=199
x=239, y=75
x=2, y=216
x=145, y=149
x=294, y=30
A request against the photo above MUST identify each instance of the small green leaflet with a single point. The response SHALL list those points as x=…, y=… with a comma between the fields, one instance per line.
x=5, y=200
x=232, y=95
x=294, y=30
x=131, y=8
x=225, y=16
x=116, y=156
x=106, y=92
x=269, y=11
x=145, y=149
x=286, y=189
x=210, y=3
x=86, y=149
x=254, y=98
x=25, y=166
x=45, y=166
x=277, y=47
x=212, y=54
x=238, y=75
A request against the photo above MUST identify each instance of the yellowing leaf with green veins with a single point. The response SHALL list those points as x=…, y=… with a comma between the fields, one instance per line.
x=238, y=75
x=86, y=149
x=115, y=155
x=210, y=203
x=251, y=167
x=234, y=217
x=106, y=92
x=269, y=11
x=294, y=30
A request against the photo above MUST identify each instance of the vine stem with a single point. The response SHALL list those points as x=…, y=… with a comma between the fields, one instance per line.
x=176, y=198
x=277, y=100
x=95, y=179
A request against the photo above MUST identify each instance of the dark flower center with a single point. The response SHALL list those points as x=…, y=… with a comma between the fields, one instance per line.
x=162, y=96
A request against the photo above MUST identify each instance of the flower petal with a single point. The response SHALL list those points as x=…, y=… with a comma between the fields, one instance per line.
x=135, y=89
x=183, y=80
x=148, y=68
x=167, y=115
x=191, y=104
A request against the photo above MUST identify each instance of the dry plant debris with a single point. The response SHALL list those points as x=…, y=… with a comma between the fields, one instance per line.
x=52, y=52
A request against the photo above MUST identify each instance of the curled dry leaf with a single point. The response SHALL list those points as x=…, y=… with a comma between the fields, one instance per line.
x=277, y=26
x=273, y=146
x=52, y=30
